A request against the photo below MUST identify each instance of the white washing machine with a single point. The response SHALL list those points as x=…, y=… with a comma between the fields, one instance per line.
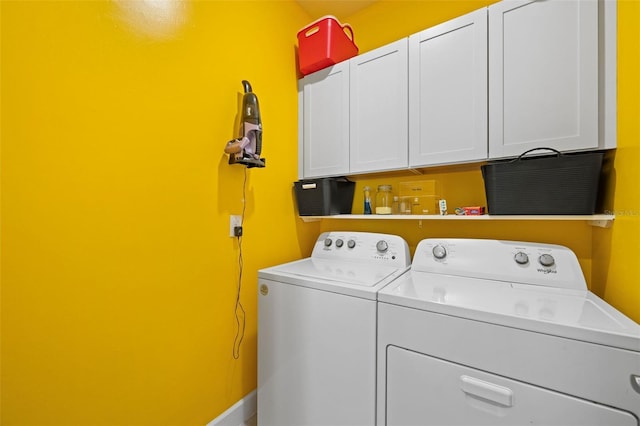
x=486, y=332
x=317, y=330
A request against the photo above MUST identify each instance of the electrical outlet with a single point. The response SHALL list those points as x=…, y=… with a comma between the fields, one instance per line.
x=234, y=220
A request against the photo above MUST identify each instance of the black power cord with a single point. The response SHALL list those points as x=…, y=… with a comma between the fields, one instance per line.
x=240, y=313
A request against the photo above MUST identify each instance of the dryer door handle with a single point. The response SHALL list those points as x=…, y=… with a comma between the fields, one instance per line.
x=635, y=382
x=487, y=391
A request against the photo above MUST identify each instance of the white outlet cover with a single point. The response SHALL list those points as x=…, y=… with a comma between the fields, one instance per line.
x=234, y=220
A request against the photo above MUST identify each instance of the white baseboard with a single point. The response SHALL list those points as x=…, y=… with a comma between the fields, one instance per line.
x=238, y=413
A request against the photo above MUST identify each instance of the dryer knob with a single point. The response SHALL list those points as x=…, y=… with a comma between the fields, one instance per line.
x=328, y=242
x=521, y=258
x=382, y=246
x=351, y=243
x=439, y=252
x=546, y=260
x=339, y=243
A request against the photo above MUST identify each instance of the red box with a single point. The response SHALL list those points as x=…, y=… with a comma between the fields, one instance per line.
x=323, y=43
x=473, y=211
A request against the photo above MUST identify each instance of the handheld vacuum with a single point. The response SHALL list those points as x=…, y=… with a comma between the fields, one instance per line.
x=246, y=149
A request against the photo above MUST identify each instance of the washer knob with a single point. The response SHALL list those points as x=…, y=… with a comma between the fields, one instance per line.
x=439, y=252
x=382, y=246
x=351, y=243
x=339, y=243
x=521, y=258
x=328, y=242
x=546, y=260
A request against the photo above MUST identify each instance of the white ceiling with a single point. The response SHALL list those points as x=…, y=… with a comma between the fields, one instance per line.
x=341, y=9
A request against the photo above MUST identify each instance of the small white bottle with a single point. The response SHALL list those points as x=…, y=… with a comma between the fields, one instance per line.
x=443, y=207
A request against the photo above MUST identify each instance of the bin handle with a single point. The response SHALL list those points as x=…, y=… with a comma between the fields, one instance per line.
x=536, y=149
x=350, y=33
x=346, y=28
x=311, y=31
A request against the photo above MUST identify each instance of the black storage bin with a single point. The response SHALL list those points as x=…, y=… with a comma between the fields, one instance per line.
x=324, y=197
x=560, y=184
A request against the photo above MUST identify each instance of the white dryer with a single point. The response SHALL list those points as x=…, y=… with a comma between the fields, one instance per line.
x=487, y=332
x=317, y=330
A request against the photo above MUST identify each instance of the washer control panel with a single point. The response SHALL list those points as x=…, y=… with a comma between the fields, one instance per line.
x=513, y=261
x=363, y=246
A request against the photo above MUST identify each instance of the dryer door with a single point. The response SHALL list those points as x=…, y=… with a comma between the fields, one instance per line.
x=422, y=390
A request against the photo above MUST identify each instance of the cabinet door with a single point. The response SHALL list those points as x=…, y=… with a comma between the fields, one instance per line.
x=379, y=104
x=543, y=76
x=325, y=122
x=448, y=96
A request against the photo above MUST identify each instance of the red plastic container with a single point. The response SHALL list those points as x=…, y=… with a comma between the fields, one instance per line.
x=323, y=43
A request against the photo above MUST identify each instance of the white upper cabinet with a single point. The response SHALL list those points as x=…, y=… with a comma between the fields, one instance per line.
x=543, y=76
x=353, y=115
x=324, y=120
x=493, y=83
x=448, y=92
x=379, y=108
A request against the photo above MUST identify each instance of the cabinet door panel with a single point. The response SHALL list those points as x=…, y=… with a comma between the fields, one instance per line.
x=424, y=390
x=326, y=122
x=448, y=92
x=543, y=71
x=378, y=104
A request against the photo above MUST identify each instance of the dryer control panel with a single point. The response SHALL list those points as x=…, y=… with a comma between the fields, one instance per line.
x=368, y=247
x=512, y=261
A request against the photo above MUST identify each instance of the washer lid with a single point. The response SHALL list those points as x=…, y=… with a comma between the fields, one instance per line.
x=360, y=274
x=349, y=278
x=575, y=314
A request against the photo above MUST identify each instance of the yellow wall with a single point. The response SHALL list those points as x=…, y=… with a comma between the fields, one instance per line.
x=616, y=259
x=118, y=277
x=609, y=257
x=118, y=274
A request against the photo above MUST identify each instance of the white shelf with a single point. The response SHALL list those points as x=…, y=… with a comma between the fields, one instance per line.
x=600, y=220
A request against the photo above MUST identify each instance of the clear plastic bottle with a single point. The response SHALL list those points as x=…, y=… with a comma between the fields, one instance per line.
x=367, y=200
x=405, y=205
x=416, y=208
x=384, y=199
x=395, y=207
